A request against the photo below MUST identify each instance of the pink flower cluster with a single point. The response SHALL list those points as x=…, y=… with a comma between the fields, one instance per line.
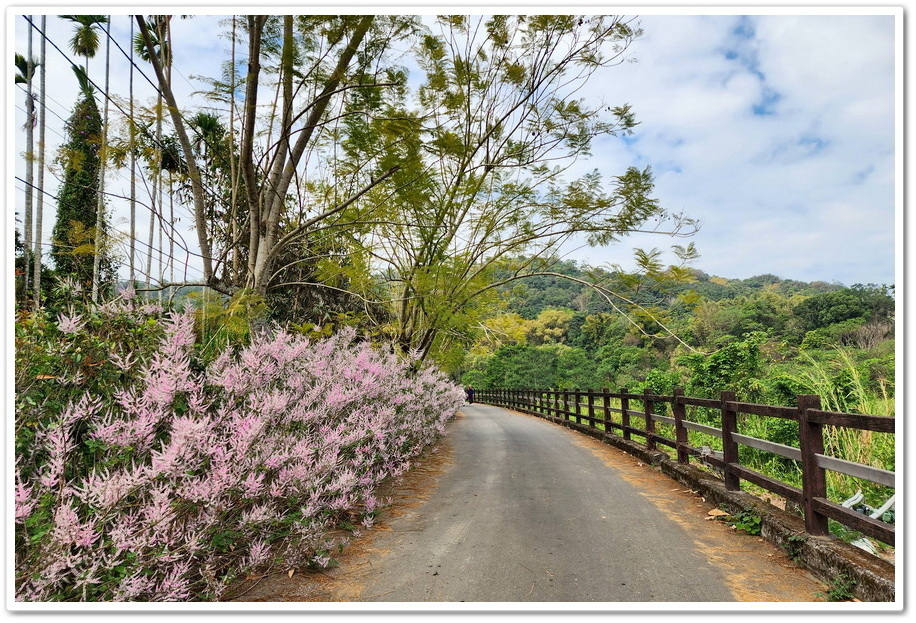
x=192, y=476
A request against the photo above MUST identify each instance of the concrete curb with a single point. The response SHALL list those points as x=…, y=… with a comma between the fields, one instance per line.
x=826, y=558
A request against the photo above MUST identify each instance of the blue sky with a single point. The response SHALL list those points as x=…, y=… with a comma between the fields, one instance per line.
x=777, y=132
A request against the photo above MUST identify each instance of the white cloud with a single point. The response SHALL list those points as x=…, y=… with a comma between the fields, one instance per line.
x=804, y=190
x=792, y=190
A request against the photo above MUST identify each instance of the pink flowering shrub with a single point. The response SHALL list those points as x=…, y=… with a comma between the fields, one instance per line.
x=188, y=476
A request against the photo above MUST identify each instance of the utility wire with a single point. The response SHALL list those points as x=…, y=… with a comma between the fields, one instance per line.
x=161, y=145
x=155, y=214
x=181, y=260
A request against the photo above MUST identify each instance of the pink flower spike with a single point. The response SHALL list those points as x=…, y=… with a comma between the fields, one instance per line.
x=70, y=324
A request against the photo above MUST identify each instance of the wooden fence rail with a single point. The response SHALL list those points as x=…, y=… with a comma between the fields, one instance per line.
x=594, y=409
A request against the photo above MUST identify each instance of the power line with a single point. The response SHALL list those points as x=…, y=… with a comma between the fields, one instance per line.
x=21, y=88
x=172, y=258
x=154, y=214
x=158, y=143
x=132, y=62
x=160, y=93
x=209, y=191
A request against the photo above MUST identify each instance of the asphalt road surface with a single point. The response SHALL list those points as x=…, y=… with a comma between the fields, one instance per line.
x=522, y=510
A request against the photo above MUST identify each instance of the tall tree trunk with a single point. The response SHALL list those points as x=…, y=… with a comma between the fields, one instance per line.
x=161, y=228
x=246, y=152
x=29, y=162
x=197, y=189
x=133, y=161
x=273, y=196
x=153, y=214
x=171, y=230
x=233, y=174
x=41, y=167
x=99, y=237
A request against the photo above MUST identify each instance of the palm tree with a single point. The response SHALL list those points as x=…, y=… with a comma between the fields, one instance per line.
x=77, y=198
x=85, y=41
x=25, y=73
x=41, y=166
x=160, y=36
x=100, y=220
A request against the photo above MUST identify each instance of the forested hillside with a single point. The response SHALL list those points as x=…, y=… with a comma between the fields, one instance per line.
x=765, y=337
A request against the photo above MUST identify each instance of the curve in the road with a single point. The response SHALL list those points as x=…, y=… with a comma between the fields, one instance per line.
x=527, y=511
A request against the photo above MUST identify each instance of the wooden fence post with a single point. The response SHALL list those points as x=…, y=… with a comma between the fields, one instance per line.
x=729, y=445
x=591, y=407
x=650, y=424
x=814, y=481
x=577, y=398
x=606, y=403
x=625, y=412
x=680, y=433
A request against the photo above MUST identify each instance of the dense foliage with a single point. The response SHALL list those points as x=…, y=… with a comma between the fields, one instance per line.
x=764, y=338
x=143, y=473
x=761, y=337
x=77, y=226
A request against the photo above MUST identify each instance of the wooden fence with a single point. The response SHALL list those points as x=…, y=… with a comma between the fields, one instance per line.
x=594, y=409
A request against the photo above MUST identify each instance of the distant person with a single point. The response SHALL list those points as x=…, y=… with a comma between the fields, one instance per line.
x=469, y=392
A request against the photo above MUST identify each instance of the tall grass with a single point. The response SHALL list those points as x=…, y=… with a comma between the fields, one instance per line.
x=859, y=446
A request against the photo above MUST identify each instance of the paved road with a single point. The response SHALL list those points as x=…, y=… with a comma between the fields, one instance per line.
x=526, y=515
x=524, y=510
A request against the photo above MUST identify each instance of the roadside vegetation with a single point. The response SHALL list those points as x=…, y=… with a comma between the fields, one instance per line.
x=765, y=338
x=217, y=367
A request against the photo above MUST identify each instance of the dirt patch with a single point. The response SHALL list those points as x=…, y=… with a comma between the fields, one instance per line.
x=345, y=581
